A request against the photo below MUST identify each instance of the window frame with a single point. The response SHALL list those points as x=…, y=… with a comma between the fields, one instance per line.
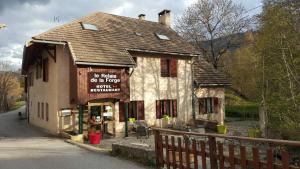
x=166, y=107
x=45, y=70
x=168, y=67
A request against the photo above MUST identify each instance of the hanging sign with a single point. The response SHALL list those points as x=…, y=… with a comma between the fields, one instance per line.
x=104, y=82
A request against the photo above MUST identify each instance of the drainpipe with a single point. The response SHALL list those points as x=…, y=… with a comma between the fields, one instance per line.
x=193, y=91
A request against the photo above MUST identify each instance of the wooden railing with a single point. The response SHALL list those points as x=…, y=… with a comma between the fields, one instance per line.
x=187, y=150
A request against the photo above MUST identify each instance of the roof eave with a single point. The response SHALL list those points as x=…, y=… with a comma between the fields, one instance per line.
x=103, y=64
x=162, y=52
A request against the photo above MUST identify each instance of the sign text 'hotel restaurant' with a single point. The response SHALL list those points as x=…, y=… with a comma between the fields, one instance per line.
x=104, y=82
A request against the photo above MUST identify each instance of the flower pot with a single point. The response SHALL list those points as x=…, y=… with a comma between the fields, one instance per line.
x=254, y=133
x=95, y=138
x=222, y=129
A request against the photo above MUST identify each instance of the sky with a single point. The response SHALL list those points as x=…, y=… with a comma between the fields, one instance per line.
x=27, y=18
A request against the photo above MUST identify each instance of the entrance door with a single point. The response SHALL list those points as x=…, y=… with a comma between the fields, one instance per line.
x=102, y=117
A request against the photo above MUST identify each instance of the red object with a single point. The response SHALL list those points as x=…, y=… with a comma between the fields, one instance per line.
x=95, y=138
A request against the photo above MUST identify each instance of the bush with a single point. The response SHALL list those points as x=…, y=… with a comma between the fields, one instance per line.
x=242, y=111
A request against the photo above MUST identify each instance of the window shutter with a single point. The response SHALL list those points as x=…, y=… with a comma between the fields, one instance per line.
x=121, y=111
x=45, y=70
x=158, y=109
x=140, y=110
x=173, y=67
x=174, y=108
x=201, y=102
x=164, y=67
x=216, y=104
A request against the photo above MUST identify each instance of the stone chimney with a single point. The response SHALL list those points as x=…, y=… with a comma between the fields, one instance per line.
x=164, y=17
x=142, y=16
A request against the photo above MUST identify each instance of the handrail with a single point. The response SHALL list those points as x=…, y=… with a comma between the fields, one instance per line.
x=241, y=138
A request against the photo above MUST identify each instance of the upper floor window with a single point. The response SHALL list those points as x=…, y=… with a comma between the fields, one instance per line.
x=168, y=67
x=166, y=107
x=30, y=79
x=45, y=70
x=38, y=70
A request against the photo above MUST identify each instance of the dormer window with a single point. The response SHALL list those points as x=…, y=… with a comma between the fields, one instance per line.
x=162, y=36
x=88, y=26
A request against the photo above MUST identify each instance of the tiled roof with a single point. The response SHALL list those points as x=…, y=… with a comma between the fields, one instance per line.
x=116, y=35
x=206, y=75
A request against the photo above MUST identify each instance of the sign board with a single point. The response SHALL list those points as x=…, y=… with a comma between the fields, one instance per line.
x=104, y=82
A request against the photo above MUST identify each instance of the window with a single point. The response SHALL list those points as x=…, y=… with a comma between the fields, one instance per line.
x=162, y=37
x=166, y=107
x=168, y=67
x=42, y=111
x=38, y=112
x=135, y=110
x=208, y=105
x=30, y=79
x=47, y=112
x=38, y=69
x=45, y=70
x=88, y=26
x=138, y=34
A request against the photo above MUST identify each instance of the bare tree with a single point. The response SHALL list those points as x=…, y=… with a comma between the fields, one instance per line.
x=206, y=21
x=9, y=86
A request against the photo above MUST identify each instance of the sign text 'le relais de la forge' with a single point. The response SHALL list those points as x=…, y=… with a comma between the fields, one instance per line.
x=104, y=82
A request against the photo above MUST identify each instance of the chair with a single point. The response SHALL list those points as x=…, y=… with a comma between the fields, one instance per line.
x=142, y=129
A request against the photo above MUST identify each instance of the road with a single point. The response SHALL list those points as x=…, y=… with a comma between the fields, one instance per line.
x=25, y=147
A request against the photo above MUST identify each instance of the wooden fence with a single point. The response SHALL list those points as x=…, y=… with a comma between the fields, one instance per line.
x=187, y=150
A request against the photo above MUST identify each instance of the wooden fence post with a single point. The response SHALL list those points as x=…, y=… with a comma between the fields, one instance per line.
x=213, y=152
x=156, y=139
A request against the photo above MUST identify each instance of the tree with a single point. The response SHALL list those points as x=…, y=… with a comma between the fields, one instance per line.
x=241, y=66
x=279, y=50
x=207, y=21
x=9, y=87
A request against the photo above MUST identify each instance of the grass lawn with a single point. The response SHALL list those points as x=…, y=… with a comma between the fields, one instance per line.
x=17, y=105
x=240, y=108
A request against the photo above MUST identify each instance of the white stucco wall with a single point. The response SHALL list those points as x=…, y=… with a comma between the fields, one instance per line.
x=147, y=84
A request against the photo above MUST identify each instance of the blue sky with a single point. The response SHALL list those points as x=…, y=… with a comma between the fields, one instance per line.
x=26, y=18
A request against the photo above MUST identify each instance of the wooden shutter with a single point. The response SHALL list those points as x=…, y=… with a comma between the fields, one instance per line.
x=158, y=109
x=140, y=110
x=39, y=109
x=216, y=104
x=174, y=108
x=201, y=102
x=45, y=70
x=42, y=111
x=173, y=67
x=164, y=71
x=47, y=112
x=121, y=111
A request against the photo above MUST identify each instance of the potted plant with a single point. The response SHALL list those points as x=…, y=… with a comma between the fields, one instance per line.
x=222, y=129
x=131, y=120
x=254, y=132
x=165, y=120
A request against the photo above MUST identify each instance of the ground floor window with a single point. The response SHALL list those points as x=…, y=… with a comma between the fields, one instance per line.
x=208, y=105
x=135, y=110
x=47, y=112
x=38, y=112
x=166, y=107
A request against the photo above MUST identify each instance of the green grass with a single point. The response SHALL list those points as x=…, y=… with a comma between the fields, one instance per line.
x=240, y=108
x=17, y=105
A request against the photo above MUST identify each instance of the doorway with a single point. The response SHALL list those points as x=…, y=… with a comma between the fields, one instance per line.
x=102, y=118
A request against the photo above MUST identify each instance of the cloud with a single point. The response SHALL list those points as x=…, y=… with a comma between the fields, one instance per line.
x=27, y=18
x=4, y=4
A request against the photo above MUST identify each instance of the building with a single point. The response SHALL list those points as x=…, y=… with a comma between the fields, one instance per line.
x=102, y=61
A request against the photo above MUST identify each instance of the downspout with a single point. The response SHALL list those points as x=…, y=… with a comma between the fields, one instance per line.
x=193, y=90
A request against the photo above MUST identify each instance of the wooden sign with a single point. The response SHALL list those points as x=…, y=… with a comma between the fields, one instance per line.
x=104, y=82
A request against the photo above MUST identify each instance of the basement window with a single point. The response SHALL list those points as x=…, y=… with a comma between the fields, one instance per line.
x=88, y=26
x=162, y=37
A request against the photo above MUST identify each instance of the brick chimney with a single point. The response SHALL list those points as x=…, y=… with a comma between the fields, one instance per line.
x=142, y=16
x=164, y=17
